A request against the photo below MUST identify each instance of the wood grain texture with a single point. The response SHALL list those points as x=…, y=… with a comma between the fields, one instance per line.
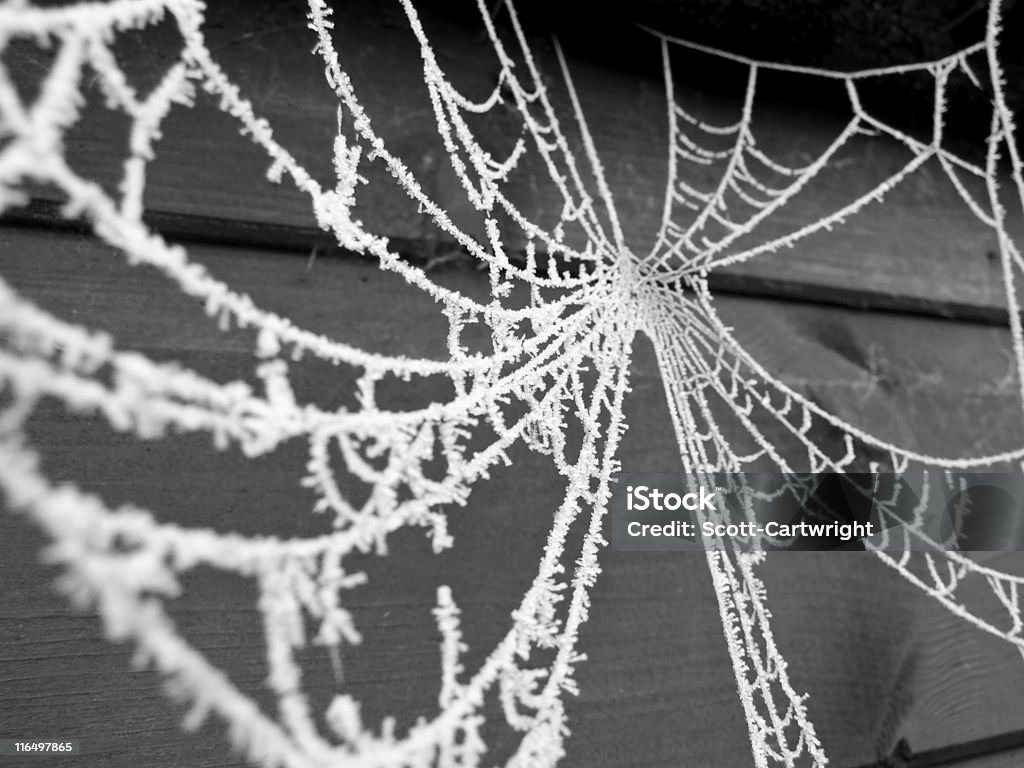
x=879, y=660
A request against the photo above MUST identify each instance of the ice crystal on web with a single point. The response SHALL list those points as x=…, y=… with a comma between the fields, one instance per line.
x=563, y=356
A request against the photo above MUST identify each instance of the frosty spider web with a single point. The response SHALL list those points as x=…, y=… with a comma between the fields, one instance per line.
x=561, y=354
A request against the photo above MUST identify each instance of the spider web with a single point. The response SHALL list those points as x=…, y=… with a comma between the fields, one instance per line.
x=559, y=359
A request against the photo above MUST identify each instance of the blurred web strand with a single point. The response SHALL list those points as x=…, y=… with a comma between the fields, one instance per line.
x=564, y=356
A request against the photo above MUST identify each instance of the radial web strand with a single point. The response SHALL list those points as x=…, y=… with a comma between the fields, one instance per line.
x=565, y=304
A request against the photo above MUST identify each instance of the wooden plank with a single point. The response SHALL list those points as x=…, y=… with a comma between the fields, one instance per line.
x=310, y=241
x=922, y=251
x=878, y=658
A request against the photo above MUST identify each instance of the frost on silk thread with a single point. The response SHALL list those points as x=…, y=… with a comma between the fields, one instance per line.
x=577, y=320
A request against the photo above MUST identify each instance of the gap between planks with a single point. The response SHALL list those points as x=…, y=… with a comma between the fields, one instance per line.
x=310, y=241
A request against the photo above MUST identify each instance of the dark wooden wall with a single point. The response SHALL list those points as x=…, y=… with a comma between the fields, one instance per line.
x=927, y=365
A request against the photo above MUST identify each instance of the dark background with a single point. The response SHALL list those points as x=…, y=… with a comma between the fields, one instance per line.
x=844, y=35
x=882, y=662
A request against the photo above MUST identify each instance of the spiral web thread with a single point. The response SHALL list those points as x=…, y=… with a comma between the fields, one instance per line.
x=563, y=354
